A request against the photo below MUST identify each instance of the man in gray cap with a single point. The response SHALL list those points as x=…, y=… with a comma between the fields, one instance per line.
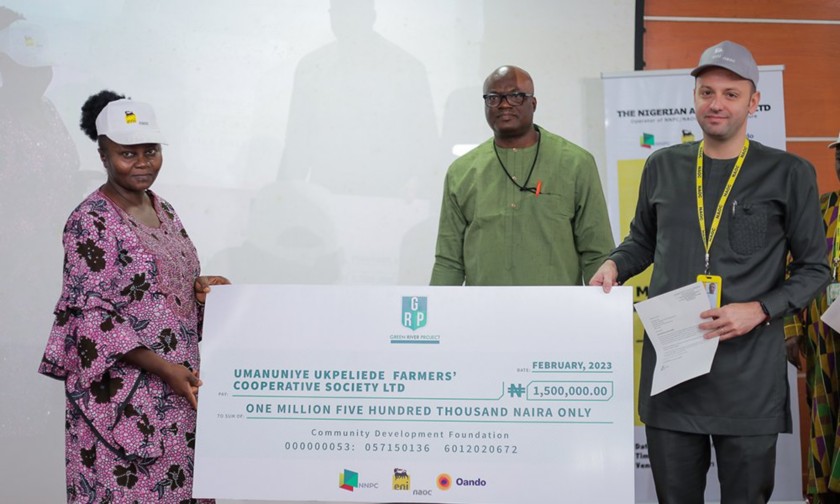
x=726, y=209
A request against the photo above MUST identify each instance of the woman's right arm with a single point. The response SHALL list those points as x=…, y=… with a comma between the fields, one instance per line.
x=181, y=380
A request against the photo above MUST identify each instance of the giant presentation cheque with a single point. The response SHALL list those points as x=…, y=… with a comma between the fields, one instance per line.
x=416, y=394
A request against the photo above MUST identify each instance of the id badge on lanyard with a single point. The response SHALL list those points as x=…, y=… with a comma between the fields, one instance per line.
x=712, y=284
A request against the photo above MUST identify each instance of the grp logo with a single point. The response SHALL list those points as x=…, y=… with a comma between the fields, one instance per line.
x=444, y=481
x=414, y=312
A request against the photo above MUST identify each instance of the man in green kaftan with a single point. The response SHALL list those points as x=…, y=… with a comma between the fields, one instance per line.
x=526, y=206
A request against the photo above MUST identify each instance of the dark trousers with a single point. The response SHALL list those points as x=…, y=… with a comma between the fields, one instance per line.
x=680, y=460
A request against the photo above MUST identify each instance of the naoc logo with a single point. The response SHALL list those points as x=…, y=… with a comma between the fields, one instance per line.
x=348, y=480
x=414, y=312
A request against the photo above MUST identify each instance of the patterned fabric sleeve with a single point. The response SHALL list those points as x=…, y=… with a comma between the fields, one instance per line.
x=90, y=332
x=793, y=326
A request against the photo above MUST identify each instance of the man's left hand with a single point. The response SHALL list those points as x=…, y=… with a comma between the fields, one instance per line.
x=732, y=320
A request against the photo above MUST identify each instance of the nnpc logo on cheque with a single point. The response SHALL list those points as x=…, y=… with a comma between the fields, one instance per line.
x=414, y=312
x=348, y=480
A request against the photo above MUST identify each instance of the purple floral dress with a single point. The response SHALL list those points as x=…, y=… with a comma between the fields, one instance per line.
x=129, y=438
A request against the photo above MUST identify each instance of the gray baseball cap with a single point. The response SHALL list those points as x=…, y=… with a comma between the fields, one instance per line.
x=731, y=56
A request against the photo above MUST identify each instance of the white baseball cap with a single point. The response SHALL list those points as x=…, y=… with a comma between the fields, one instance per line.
x=25, y=43
x=835, y=143
x=128, y=122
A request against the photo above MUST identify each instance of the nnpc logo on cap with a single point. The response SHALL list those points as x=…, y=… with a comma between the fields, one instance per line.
x=130, y=118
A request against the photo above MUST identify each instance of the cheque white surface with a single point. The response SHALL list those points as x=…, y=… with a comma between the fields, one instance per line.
x=416, y=394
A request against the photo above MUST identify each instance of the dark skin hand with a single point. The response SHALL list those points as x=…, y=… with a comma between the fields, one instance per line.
x=181, y=380
x=203, y=283
x=792, y=350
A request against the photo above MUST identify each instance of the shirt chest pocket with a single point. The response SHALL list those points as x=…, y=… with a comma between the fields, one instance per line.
x=554, y=207
x=748, y=227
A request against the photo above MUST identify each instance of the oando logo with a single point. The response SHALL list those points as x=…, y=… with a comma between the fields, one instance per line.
x=444, y=481
x=477, y=482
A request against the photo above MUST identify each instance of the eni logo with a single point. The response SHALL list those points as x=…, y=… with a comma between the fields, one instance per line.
x=401, y=480
x=130, y=118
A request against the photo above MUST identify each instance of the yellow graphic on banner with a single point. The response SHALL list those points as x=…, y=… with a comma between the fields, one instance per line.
x=629, y=177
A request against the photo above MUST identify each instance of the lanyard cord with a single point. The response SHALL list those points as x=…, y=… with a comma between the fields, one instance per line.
x=707, y=242
x=523, y=187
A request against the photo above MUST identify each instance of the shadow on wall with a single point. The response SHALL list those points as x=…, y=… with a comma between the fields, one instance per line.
x=290, y=240
x=39, y=185
x=372, y=105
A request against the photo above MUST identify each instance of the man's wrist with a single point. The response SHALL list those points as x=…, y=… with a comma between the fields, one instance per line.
x=765, y=311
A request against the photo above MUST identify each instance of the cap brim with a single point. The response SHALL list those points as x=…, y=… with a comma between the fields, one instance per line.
x=700, y=69
x=137, y=138
x=703, y=68
x=834, y=144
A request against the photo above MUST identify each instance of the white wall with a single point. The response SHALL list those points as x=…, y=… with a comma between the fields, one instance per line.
x=305, y=146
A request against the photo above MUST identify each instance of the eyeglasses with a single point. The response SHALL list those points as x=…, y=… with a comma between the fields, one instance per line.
x=493, y=100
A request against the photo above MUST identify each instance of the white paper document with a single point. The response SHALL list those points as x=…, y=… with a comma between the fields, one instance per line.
x=672, y=323
x=832, y=316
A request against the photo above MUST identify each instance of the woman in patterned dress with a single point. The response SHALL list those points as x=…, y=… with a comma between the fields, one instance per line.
x=127, y=323
x=822, y=363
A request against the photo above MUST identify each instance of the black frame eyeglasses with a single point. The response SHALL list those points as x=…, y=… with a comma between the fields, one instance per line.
x=493, y=100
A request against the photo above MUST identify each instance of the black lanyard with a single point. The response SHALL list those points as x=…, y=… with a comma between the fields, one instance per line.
x=524, y=187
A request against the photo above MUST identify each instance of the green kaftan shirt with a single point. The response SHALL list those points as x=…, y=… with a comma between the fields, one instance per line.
x=493, y=233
